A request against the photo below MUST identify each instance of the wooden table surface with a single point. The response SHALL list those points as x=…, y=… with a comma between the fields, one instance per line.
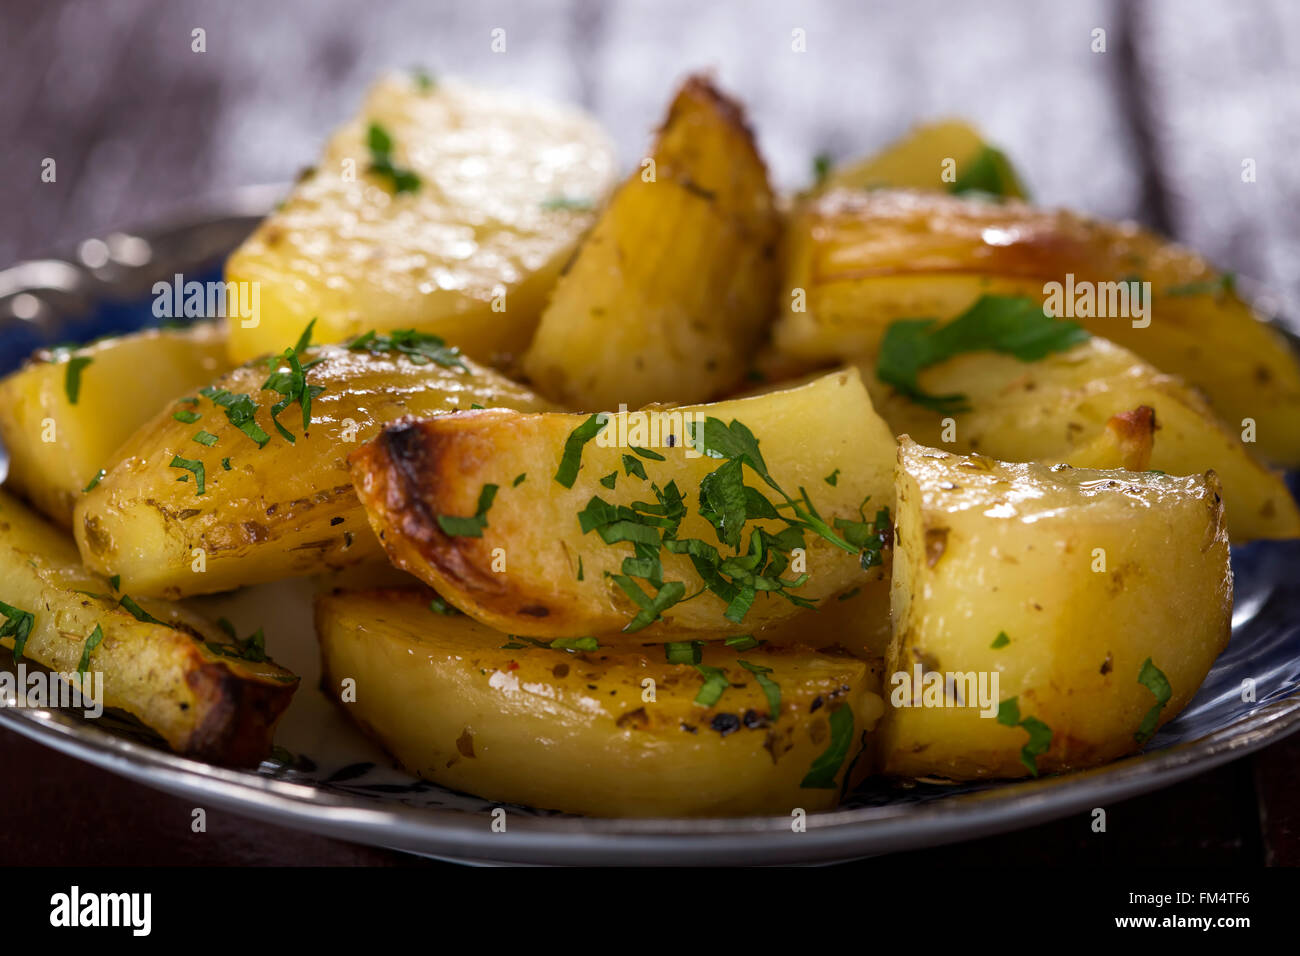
x=1155, y=127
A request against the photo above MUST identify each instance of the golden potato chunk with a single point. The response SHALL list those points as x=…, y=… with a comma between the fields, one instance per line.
x=64, y=413
x=671, y=293
x=596, y=729
x=207, y=693
x=447, y=208
x=1094, y=406
x=1075, y=611
x=861, y=260
x=211, y=495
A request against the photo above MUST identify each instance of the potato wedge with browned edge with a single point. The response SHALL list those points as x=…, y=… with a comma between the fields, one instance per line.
x=209, y=695
x=553, y=525
x=1094, y=406
x=671, y=292
x=210, y=495
x=861, y=260
x=64, y=413
x=1086, y=607
x=595, y=729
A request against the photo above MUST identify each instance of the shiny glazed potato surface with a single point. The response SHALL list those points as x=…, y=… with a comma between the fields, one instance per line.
x=276, y=511
x=507, y=184
x=610, y=732
x=1087, y=574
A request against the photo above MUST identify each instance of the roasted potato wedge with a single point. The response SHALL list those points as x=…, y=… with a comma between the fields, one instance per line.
x=1067, y=585
x=525, y=565
x=56, y=445
x=948, y=156
x=605, y=732
x=864, y=260
x=504, y=186
x=1094, y=406
x=206, y=694
x=273, y=511
x=672, y=291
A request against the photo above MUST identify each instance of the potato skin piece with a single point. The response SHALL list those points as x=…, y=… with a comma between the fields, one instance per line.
x=985, y=547
x=128, y=379
x=576, y=731
x=672, y=291
x=1096, y=405
x=415, y=471
x=281, y=510
x=205, y=705
x=867, y=259
x=508, y=185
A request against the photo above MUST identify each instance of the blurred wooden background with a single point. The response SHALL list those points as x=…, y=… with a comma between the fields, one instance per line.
x=1156, y=127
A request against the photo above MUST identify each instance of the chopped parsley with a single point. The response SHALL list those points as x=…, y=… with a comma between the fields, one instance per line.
x=742, y=642
x=683, y=652
x=115, y=582
x=989, y=173
x=833, y=478
x=251, y=648
x=632, y=467
x=715, y=682
x=571, y=459
x=240, y=411
x=821, y=165
x=1154, y=680
x=1220, y=286
x=1011, y=325
x=574, y=644
x=225, y=464
x=423, y=79
x=186, y=416
x=609, y=480
x=99, y=476
x=771, y=689
x=18, y=625
x=418, y=347
x=821, y=775
x=205, y=438
x=92, y=642
x=519, y=480
x=471, y=527
x=1040, y=735
x=72, y=376
x=439, y=606
x=380, y=144
x=1000, y=641
x=137, y=612
x=190, y=465
x=578, y=204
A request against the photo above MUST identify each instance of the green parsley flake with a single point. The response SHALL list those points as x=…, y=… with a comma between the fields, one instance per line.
x=190, y=465
x=92, y=642
x=821, y=775
x=1154, y=680
x=401, y=179
x=571, y=459
x=99, y=475
x=18, y=625
x=1001, y=640
x=72, y=377
x=715, y=682
x=473, y=526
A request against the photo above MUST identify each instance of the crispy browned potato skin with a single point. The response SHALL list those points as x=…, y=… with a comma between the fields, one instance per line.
x=866, y=259
x=415, y=471
x=281, y=510
x=672, y=291
x=205, y=705
x=610, y=732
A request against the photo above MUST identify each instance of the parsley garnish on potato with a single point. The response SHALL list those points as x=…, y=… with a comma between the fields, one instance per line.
x=1011, y=325
x=1154, y=680
x=380, y=144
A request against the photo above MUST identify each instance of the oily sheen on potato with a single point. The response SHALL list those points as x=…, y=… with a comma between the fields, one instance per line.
x=550, y=559
x=1070, y=585
x=865, y=259
x=457, y=227
x=1096, y=405
x=64, y=413
x=210, y=495
x=671, y=293
x=597, y=730
x=209, y=695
